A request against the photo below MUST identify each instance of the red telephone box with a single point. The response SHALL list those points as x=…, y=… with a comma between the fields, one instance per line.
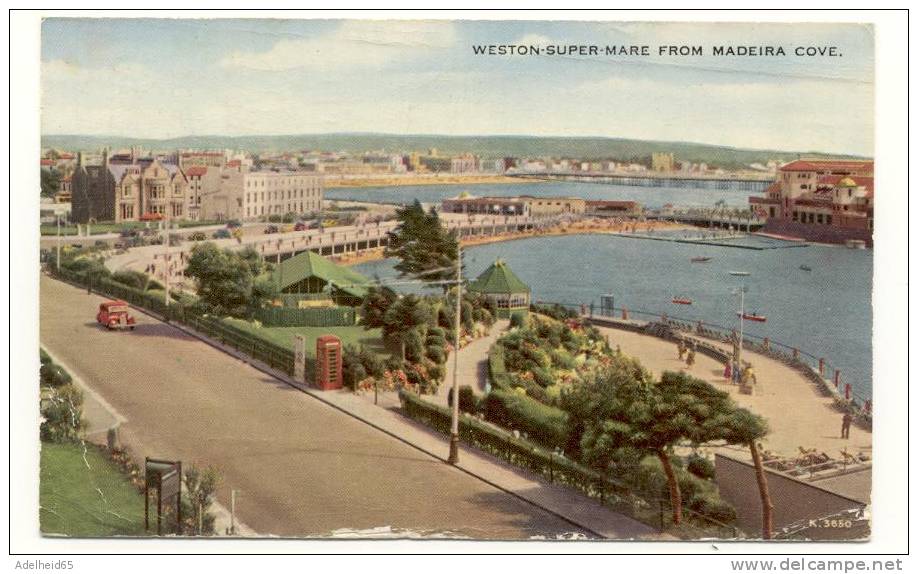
x=329, y=363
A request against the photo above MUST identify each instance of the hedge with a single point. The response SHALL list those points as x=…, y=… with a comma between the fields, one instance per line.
x=546, y=425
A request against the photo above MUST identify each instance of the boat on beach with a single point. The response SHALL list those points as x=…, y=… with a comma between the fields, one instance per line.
x=806, y=268
x=740, y=273
x=700, y=259
x=752, y=317
x=682, y=301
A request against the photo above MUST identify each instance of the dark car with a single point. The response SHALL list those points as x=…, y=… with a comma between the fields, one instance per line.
x=302, y=226
x=222, y=234
x=233, y=224
x=127, y=232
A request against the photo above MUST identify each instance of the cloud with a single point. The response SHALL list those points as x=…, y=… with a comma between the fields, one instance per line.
x=353, y=44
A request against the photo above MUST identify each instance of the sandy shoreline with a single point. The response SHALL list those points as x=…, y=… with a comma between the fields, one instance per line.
x=407, y=181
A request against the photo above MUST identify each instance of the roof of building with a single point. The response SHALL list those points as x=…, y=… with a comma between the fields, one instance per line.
x=309, y=264
x=196, y=171
x=864, y=181
x=498, y=278
x=863, y=166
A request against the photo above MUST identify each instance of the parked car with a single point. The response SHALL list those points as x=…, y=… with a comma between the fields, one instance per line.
x=302, y=226
x=272, y=229
x=233, y=224
x=115, y=315
x=128, y=232
x=222, y=234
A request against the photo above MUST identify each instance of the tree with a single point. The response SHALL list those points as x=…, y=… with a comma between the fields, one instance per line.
x=224, y=279
x=425, y=249
x=746, y=428
x=201, y=490
x=621, y=409
x=375, y=304
x=407, y=314
x=50, y=182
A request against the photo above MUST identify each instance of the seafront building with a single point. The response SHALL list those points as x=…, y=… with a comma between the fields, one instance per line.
x=187, y=185
x=125, y=187
x=820, y=200
x=522, y=205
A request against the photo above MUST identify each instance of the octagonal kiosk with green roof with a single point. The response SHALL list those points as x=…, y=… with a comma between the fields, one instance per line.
x=499, y=284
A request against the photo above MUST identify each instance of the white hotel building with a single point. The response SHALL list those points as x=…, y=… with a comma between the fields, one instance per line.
x=263, y=193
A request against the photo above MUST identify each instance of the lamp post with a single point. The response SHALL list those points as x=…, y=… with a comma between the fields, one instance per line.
x=742, y=312
x=454, y=426
x=167, y=260
x=58, y=257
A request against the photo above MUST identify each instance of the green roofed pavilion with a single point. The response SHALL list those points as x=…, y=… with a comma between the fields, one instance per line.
x=310, y=274
x=499, y=284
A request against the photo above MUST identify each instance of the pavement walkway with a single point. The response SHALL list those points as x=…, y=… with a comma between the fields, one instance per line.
x=797, y=413
x=473, y=364
x=304, y=466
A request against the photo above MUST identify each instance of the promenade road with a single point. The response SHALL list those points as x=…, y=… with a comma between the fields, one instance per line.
x=303, y=468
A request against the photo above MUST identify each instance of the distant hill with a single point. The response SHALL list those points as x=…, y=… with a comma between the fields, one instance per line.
x=587, y=148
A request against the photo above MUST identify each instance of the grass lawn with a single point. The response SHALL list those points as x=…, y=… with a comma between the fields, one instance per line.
x=354, y=335
x=70, y=499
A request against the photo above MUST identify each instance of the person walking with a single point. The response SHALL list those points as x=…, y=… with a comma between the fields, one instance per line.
x=690, y=358
x=846, y=425
x=681, y=348
x=728, y=371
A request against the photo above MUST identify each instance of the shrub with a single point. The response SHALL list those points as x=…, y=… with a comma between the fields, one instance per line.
x=63, y=414
x=467, y=401
x=518, y=320
x=393, y=363
x=372, y=363
x=436, y=372
x=414, y=346
x=352, y=368
x=562, y=359
x=544, y=424
x=543, y=377
x=135, y=279
x=700, y=466
x=52, y=375
x=44, y=357
x=436, y=354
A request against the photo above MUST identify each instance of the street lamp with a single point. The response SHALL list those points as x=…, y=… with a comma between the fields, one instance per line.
x=58, y=258
x=454, y=426
x=741, y=291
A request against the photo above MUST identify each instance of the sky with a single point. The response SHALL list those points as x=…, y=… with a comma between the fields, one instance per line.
x=158, y=78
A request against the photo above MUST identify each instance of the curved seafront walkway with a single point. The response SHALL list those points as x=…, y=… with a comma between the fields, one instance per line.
x=797, y=414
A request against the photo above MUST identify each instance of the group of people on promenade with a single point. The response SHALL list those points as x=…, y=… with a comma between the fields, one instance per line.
x=733, y=372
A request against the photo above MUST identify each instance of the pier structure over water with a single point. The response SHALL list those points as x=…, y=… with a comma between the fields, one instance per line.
x=740, y=182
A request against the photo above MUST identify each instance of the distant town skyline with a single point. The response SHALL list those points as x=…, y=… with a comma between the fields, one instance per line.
x=161, y=79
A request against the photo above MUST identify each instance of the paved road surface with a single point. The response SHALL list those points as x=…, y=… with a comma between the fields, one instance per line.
x=303, y=467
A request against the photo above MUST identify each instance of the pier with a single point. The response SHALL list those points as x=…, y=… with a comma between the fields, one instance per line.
x=744, y=182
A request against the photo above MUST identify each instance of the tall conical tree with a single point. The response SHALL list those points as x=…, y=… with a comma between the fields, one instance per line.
x=426, y=250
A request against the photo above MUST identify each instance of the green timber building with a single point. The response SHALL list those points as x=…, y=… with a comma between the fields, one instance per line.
x=500, y=285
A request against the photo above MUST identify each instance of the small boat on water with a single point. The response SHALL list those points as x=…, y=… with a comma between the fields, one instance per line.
x=700, y=259
x=682, y=301
x=806, y=268
x=752, y=317
x=740, y=273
